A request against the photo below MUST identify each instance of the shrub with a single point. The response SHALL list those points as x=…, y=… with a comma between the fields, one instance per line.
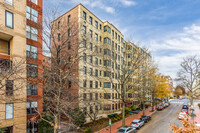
x=45, y=127
x=127, y=110
x=133, y=107
x=88, y=130
x=78, y=117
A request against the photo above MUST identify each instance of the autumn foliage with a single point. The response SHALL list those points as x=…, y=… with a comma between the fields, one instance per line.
x=188, y=126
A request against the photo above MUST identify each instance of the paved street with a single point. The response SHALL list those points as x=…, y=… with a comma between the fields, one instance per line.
x=159, y=122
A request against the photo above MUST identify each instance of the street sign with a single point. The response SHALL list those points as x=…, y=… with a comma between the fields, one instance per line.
x=110, y=122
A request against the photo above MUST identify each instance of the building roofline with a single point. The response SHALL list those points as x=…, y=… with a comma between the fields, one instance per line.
x=114, y=27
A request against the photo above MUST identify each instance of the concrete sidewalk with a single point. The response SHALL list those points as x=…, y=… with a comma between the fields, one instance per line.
x=117, y=125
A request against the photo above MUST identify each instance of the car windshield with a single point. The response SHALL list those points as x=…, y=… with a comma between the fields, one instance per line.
x=134, y=122
x=121, y=131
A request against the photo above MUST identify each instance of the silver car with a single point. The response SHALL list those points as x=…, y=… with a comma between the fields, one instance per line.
x=137, y=123
x=126, y=130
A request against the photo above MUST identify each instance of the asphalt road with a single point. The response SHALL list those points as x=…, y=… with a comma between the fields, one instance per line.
x=160, y=120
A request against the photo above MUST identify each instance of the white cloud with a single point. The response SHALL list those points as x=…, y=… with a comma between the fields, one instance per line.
x=128, y=2
x=175, y=47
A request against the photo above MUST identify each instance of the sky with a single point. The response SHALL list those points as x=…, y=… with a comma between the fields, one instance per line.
x=169, y=28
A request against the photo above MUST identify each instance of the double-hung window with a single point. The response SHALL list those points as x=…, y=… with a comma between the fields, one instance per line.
x=9, y=19
x=31, y=51
x=31, y=14
x=32, y=107
x=9, y=111
x=32, y=70
x=32, y=89
x=31, y=33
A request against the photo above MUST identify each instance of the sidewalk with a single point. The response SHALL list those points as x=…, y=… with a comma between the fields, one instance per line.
x=197, y=113
x=116, y=126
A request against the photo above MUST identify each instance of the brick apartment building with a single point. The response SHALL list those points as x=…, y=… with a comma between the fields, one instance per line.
x=104, y=53
x=21, y=53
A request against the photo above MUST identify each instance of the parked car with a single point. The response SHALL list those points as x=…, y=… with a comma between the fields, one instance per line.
x=185, y=110
x=145, y=118
x=185, y=107
x=137, y=123
x=127, y=130
x=160, y=108
x=166, y=105
x=181, y=115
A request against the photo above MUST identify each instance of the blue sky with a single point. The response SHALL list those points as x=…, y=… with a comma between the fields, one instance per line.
x=169, y=28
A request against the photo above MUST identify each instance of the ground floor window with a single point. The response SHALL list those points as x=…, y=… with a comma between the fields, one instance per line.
x=32, y=126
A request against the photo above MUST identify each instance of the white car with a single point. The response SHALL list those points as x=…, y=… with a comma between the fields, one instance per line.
x=137, y=123
x=181, y=115
x=126, y=130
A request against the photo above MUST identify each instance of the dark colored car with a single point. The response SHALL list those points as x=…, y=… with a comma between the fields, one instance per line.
x=185, y=107
x=160, y=108
x=145, y=118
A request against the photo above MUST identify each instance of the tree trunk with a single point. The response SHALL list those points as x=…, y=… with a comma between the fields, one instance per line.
x=56, y=123
x=123, y=114
x=143, y=108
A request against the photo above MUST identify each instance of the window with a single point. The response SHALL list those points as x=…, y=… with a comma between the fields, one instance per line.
x=106, y=29
x=90, y=20
x=8, y=129
x=106, y=84
x=9, y=111
x=30, y=127
x=96, y=60
x=96, y=95
x=91, y=71
x=118, y=48
x=32, y=70
x=84, y=15
x=31, y=51
x=118, y=37
x=91, y=60
x=100, y=26
x=85, y=83
x=9, y=2
x=107, y=74
x=96, y=72
x=69, y=18
x=107, y=63
x=84, y=57
x=96, y=24
x=122, y=40
x=100, y=73
x=34, y=1
x=96, y=84
x=84, y=29
x=115, y=35
x=32, y=89
x=69, y=84
x=9, y=87
x=91, y=109
x=96, y=49
x=69, y=45
x=112, y=33
x=9, y=19
x=91, y=82
x=100, y=38
x=107, y=52
x=96, y=36
x=32, y=107
x=107, y=107
x=69, y=32
x=84, y=43
x=58, y=22
x=107, y=40
x=84, y=70
x=91, y=46
x=32, y=15
x=59, y=37
x=31, y=33
x=90, y=33
x=107, y=95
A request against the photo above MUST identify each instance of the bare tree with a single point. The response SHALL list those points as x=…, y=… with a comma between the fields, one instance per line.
x=188, y=75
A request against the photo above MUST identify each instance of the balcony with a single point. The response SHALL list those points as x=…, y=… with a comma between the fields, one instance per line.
x=6, y=34
x=4, y=47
